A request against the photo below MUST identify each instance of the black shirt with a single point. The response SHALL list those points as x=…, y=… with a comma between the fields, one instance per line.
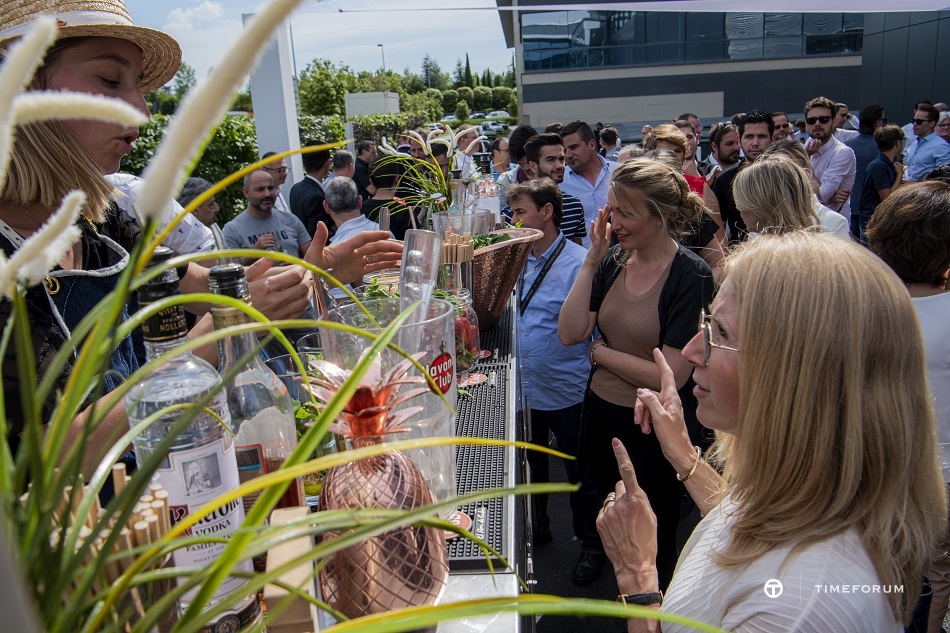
x=727, y=203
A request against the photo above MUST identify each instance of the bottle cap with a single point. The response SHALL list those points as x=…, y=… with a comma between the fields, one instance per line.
x=164, y=285
x=229, y=280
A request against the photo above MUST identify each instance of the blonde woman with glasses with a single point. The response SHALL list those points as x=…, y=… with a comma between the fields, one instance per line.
x=831, y=499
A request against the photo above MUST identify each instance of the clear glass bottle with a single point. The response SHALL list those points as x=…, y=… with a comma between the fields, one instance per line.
x=201, y=464
x=262, y=412
x=488, y=191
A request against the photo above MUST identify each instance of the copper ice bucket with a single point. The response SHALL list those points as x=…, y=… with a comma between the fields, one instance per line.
x=496, y=271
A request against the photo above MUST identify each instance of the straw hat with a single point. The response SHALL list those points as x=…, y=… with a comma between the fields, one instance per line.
x=161, y=55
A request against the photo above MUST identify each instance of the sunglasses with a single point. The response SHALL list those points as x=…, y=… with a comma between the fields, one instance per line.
x=817, y=119
x=705, y=325
x=920, y=121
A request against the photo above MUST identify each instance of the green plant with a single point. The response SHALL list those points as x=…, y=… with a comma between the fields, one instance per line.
x=462, y=111
x=326, y=129
x=467, y=95
x=450, y=99
x=482, y=96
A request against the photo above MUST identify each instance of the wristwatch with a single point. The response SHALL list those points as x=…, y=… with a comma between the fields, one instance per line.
x=642, y=599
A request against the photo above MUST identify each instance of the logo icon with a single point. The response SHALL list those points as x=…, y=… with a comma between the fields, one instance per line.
x=773, y=588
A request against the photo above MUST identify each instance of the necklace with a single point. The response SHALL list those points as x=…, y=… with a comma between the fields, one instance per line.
x=38, y=221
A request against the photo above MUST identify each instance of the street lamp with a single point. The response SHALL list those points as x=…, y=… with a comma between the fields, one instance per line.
x=383, y=51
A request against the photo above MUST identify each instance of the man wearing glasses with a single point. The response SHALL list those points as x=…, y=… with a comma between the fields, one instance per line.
x=278, y=171
x=930, y=151
x=832, y=161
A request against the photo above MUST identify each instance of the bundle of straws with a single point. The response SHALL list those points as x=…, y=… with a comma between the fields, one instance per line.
x=457, y=248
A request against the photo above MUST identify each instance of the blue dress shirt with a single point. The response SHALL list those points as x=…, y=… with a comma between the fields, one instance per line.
x=929, y=152
x=592, y=196
x=555, y=376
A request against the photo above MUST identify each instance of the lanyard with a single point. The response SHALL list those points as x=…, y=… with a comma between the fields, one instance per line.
x=526, y=299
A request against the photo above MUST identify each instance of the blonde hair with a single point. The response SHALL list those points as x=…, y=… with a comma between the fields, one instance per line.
x=835, y=431
x=666, y=132
x=46, y=162
x=776, y=190
x=666, y=192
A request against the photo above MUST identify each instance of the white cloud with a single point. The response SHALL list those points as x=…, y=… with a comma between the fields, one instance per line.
x=180, y=20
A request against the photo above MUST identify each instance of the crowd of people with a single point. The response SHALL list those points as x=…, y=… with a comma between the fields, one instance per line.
x=745, y=351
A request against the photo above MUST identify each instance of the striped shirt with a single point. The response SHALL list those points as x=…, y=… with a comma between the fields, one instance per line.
x=572, y=217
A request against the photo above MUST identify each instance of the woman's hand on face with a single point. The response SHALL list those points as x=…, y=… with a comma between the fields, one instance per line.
x=627, y=527
x=350, y=259
x=663, y=411
x=599, y=236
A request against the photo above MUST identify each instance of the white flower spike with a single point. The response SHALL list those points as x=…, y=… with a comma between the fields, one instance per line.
x=40, y=252
x=17, y=70
x=202, y=108
x=44, y=106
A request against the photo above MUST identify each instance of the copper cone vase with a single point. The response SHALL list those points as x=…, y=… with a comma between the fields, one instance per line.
x=407, y=566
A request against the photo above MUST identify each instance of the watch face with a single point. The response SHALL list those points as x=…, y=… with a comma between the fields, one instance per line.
x=228, y=624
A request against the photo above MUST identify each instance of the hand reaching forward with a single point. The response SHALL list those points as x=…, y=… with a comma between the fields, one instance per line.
x=627, y=527
x=350, y=259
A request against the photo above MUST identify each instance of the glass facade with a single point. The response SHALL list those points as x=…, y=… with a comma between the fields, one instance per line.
x=562, y=40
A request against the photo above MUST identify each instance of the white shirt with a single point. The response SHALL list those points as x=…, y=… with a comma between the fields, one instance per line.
x=346, y=230
x=831, y=222
x=279, y=203
x=834, y=166
x=189, y=236
x=592, y=196
x=735, y=599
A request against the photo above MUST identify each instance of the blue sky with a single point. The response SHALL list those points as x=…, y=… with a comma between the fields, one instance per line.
x=205, y=29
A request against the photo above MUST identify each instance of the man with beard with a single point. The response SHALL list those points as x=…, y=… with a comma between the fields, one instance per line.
x=724, y=154
x=832, y=161
x=278, y=171
x=259, y=226
x=588, y=173
x=545, y=156
x=755, y=134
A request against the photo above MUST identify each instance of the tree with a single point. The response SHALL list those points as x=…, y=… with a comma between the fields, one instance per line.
x=435, y=95
x=323, y=87
x=450, y=99
x=162, y=101
x=389, y=81
x=468, y=73
x=482, y=96
x=411, y=82
x=487, y=78
x=510, y=78
x=183, y=81
x=461, y=111
x=421, y=103
x=458, y=76
x=432, y=75
x=513, y=104
x=243, y=102
x=500, y=96
x=466, y=95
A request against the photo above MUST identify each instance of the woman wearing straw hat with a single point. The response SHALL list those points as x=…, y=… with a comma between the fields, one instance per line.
x=99, y=51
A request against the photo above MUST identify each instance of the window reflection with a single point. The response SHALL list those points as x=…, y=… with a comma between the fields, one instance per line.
x=586, y=39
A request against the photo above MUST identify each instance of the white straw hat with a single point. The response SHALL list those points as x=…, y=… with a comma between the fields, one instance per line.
x=161, y=54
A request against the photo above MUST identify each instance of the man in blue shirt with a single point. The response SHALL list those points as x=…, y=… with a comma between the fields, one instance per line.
x=555, y=376
x=931, y=151
x=882, y=176
x=588, y=173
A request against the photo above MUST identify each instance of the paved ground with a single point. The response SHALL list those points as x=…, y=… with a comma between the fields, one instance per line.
x=554, y=565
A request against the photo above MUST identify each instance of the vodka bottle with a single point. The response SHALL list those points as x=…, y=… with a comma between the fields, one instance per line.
x=200, y=464
x=262, y=412
x=488, y=191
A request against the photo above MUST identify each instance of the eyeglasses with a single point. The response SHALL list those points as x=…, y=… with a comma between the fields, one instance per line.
x=279, y=170
x=920, y=121
x=817, y=119
x=946, y=123
x=705, y=324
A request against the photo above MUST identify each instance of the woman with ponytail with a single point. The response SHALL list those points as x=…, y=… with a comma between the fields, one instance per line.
x=647, y=292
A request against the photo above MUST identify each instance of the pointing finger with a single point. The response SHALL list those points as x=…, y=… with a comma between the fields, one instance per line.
x=667, y=379
x=627, y=475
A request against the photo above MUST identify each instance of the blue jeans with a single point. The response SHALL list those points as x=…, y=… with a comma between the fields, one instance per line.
x=859, y=226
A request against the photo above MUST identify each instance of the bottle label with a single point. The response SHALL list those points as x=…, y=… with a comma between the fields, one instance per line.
x=193, y=478
x=250, y=460
x=167, y=325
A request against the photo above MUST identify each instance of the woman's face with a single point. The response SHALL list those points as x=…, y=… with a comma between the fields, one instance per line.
x=634, y=227
x=717, y=384
x=751, y=220
x=676, y=149
x=206, y=212
x=101, y=66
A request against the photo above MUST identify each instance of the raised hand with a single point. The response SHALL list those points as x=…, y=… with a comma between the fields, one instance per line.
x=663, y=412
x=350, y=259
x=599, y=236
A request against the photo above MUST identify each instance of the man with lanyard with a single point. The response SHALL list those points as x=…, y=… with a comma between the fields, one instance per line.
x=588, y=174
x=555, y=376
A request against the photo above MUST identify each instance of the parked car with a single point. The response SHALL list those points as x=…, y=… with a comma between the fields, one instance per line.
x=498, y=114
x=477, y=115
x=491, y=129
x=436, y=126
x=449, y=117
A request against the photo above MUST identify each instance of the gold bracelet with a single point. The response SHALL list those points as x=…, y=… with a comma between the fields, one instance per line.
x=699, y=454
x=590, y=354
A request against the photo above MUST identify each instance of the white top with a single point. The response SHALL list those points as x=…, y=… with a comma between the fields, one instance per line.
x=934, y=315
x=834, y=166
x=829, y=586
x=831, y=220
